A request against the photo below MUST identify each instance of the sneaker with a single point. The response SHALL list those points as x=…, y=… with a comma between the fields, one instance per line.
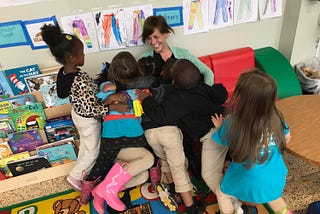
x=165, y=197
x=76, y=184
x=155, y=176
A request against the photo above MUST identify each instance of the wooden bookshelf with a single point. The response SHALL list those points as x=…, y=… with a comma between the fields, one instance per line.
x=48, y=173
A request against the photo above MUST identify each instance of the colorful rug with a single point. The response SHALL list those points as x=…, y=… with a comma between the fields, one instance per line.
x=67, y=202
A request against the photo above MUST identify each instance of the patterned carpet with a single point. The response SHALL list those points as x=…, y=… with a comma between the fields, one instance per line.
x=303, y=187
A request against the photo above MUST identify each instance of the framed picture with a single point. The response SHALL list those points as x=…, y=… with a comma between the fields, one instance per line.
x=33, y=31
x=34, y=82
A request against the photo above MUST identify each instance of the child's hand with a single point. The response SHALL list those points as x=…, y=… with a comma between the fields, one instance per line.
x=109, y=87
x=119, y=107
x=116, y=98
x=141, y=94
x=217, y=120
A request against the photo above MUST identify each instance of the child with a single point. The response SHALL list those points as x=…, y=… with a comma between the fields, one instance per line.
x=76, y=84
x=256, y=134
x=189, y=107
x=122, y=141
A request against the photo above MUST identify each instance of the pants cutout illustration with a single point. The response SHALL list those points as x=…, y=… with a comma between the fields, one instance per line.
x=195, y=10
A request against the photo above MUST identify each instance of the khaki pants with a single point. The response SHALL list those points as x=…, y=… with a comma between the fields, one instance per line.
x=227, y=203
x=167, y=144
x=212, y=161
x=90, y=135
x=140, y=160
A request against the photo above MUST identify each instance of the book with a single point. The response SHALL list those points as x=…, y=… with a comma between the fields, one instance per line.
x=59, y=130
x=50, y=96
x=69, y=140
x=14, y=102
x=139, y=209
x=15, y=157
x=59, y=155
x=5, y=150
x=27, y=165
x=27, y=117
x=24, y=141
x=34, y=82
x=5, y=89
x=16, y=77
x=6, y=127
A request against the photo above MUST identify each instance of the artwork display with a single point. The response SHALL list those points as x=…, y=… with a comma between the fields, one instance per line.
x=83, y=26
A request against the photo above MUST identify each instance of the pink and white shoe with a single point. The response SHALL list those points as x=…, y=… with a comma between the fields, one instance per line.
x=76, y=184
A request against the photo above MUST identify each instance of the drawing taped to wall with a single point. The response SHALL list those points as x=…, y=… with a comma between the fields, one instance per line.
x=270, y=8
x=83, y=26
x=135, y=17
x=111, y=29
x=195, y=16
x=221, y=13
x=245, y=11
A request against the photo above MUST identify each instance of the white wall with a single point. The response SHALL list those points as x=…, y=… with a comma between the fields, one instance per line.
x=256, y=35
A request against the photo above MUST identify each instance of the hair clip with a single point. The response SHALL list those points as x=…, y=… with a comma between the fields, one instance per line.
x=68, y=37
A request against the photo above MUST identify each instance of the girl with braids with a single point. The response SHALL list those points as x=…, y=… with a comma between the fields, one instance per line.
x=256, y=134
x=76, y=84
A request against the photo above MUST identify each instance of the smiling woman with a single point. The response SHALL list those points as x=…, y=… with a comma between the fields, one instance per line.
x=155, y=33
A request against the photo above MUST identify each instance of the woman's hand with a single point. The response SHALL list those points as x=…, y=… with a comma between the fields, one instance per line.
x=142, y=94
x=217, y=120
x=119, y=107
x=116, y=98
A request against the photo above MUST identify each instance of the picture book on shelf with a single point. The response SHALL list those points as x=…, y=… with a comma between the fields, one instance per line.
x=14, y=102
x=59, y=130
x=6, y=127
x=27, y=117
x=25, y=140
x=50, y=96
x=35, y=82
x=5, y=161
x=27, y=165
x=5, y=89
x=59, y=155
x=16, y=78
x=5, y=150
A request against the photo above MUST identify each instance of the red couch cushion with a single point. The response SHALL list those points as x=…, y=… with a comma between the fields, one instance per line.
x=228, y=65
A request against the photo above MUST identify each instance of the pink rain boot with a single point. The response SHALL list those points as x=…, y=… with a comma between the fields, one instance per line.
x=109, y=188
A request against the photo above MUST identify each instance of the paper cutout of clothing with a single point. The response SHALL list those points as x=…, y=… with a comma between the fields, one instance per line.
x=110, y=21
x=79, y=28
x=195, y=10
x=138, y=21
x=244, y=5
x=221, y=5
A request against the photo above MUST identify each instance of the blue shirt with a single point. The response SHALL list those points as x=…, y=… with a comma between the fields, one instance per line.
x=259, y=184
x=125, y=127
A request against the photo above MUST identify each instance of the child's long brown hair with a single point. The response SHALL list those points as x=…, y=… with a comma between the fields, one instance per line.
x=254, y=118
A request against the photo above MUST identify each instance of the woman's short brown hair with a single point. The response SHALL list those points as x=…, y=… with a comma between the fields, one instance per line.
x=153, y=22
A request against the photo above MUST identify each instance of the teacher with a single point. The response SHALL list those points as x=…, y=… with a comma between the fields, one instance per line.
x=155, y=33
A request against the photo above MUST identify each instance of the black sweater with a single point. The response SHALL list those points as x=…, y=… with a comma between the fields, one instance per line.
x=189, y=109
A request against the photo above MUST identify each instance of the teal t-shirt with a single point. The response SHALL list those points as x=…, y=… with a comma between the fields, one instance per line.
x=125, y=127
x=260, y=184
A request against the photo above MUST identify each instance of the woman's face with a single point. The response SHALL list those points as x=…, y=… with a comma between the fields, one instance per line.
x=158, y=41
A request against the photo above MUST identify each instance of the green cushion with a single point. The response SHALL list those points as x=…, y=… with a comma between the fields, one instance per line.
x=276, y=65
